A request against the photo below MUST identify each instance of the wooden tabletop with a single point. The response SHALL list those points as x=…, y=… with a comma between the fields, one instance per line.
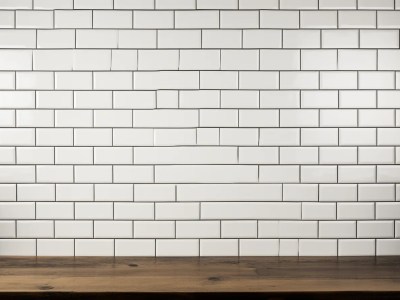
x=263, y=275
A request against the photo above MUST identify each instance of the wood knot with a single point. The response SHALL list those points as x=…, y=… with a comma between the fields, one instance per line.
x=45, y=287
x=214, y=278
x=133, y=265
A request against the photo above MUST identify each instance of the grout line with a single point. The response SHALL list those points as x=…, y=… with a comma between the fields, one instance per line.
x=201, y=115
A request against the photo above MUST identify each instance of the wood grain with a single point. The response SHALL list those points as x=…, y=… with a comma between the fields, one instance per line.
x=97, y=275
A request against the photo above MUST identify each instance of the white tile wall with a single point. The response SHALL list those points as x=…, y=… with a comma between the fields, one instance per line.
x=199, y=127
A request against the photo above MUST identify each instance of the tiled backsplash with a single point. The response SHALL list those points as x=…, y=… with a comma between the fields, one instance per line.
x=208, y=127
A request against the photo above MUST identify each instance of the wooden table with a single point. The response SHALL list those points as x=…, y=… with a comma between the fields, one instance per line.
x=191, y=278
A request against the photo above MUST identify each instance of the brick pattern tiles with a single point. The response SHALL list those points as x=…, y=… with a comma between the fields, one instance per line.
x=199, y=127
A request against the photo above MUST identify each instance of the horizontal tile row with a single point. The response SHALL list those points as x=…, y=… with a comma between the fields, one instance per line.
x=197, y=99
x=156, y=60
x=212, y=38
x=199, y=229
x=207, y=136
x=199, y=174
x=200, y=4
x=199, y=155
x=190, y=80
x=199, y=247
x=198, y=19
x=345, y=213
x=196, y=247
x=202, y=118
x=342, y=192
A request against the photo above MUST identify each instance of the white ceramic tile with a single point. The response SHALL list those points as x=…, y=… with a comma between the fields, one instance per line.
x=199, y=128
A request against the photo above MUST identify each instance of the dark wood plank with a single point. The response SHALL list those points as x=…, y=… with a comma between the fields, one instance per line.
x=189, y=278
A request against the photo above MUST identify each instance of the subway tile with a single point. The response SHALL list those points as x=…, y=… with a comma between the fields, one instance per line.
x=35, y=155
x=197, y=19
x=18, y=247
x=136, y=39
x=388, y=59
x=293, y=4
x=135, y=247
x=51, y=247
x=154, y=229
x=113, y=229
x=74, y=192
x=279, y=60
x=223, y=247
x=153, y=19
x=99, y=38
x=219, y=80
x=373, y=4
x=198, y=229
x=222, y=4
x=7, y=19
x=388, y=19
x=337, y=4
x=113, y=192
x=93, y=4
x=180, y=39
x=135, y=4
x=72, y=19
x=34, y=19
x=185, y=155
x=239, y=19
x=55, y=211
x=61, y=38
x=17, y=60
x=258, y=80
x=318, y=19
x=357, y=19
x=94, y=247
x=199, y=128
x=291, y=80
x=258, y=38
x=205, y=174
x=93, y=211
x=221, y=38
x=379, y=38
x=54, y=99
x=21, y=210
x=258, y=247
x=57, y=174
x=18, y=38
x=258, y=4
x=175, y=4
x=134, y=211
x=318, y=211
x=199, y=60
x=229, y=192
x=19, y=4
x=176, y=247
x=36, y=192
x=355, y=247
x=301, y=39
x=376, y=192
x=73, y=80
x=239, y=60
x=315, y=247
x=343, y=80
x=319, y=99
x=34, y=81
x=112, y=19
x=158, y=60
x=318, y=59
x=340, y=38
x=166, y=80
x=35, y=229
